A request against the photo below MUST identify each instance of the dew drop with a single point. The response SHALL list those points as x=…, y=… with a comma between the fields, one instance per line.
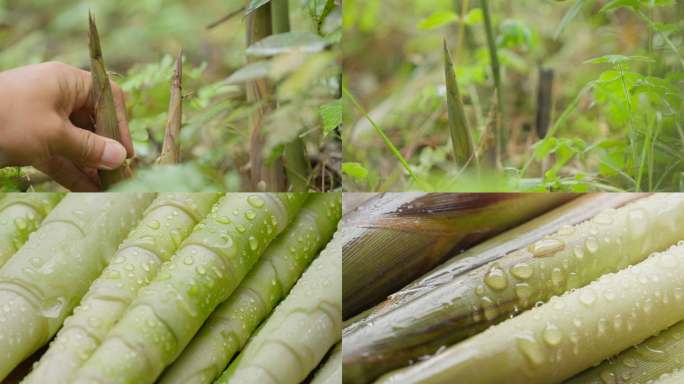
x=223, y=220
x=552, y=335
x=522, y=271
x=253, y=243
x=587, y=297
x=496, y=279
x=255, y=201
x=154, y=224
x=591, y=244
x=546, y=247
x=531, y=350
x=566, y=230
x=608, y=377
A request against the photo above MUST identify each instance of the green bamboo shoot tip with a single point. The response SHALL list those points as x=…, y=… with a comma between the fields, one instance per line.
x=553, y=342
x=206, y=269
x=296, y=337
x=461, y=138
x=47, y=277
x=231, y=324
x=106, y=121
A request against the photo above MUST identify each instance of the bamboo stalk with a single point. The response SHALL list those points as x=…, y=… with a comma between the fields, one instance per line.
x=106, y=122
x=544, y=101
x=265, y=177
x=496, y=72
x=461, y=139
x=297, y=165
x=170, y=153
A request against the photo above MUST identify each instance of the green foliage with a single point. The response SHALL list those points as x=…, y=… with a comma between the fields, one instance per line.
x=617, y=105
x=140, y=40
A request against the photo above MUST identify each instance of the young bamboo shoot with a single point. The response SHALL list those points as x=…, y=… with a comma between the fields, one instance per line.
x=296, y=337
x=47, y=277
x=208, y=266
x=642, y=363
x=170, y=153
x=453, y=304
x=392, y=239
x=166, y=223
x=461, y=138
x=228, y=328
x=106, y=122
x=552, y=342
x=20, y=215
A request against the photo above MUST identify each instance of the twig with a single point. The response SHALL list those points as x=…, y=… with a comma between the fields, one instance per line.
x=170, y=153
x=225, y=18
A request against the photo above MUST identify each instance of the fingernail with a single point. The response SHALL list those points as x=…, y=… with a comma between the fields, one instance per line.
x=113, y=155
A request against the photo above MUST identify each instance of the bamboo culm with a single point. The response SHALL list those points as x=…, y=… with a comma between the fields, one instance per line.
x=166, y=223
x=47, y=277
x=301, y=330
x=297, y=165
x=552, y=342
x=20, y=215
x=206, y=269
x=230, y=325
x=265, y=177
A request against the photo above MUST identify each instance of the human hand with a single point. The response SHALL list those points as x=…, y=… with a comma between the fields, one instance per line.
x=46, y=120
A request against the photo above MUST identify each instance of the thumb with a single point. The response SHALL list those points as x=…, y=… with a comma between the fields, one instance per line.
x=90, y=150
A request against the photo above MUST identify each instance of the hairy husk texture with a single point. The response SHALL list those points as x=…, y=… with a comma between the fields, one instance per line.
x=394, y=238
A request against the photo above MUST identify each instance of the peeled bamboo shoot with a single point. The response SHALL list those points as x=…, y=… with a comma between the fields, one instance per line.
x=554, y=341
x=443, y=313
x=296, y=337
x=21, y=214
x=207, y=268
x=228, y=328
x=47, y=277
x=331, y=371
x=166, y=223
